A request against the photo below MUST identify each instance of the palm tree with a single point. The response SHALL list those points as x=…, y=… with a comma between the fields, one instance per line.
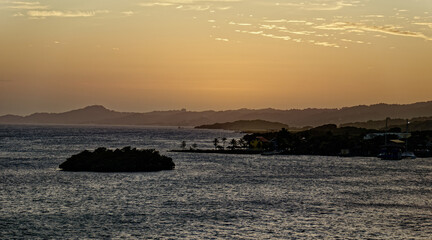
x=216, y=142
x=242, y=143
x=224, y=141
x=183, y=145
x=233, y=143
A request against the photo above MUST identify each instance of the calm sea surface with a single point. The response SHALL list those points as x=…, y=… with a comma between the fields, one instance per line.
x=207, y=196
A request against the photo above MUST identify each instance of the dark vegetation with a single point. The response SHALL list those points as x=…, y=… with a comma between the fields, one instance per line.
x=344, y=141
x=327, y=140
x=247, y=126
x=416, y=124
x=119, y=160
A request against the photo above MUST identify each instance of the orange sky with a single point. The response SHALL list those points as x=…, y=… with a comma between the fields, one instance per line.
x=140, y=55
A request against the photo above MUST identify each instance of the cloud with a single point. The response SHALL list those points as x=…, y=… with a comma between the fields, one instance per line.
x=128, y=13
x=351, y=41
x=66, y=14
x=319, y=5
x=374, y=16
x=388, y=29
x=195, y=7
x=276, y=37
x=199, y=1
x=271, y=27
x=222, y=39
x=289, y=21
x=326, y=44
x=27, y=5
x=307, y=33
x=191, y=5
x=163, y=4
x=240, y=24
x=424, y=24
x=38, y=11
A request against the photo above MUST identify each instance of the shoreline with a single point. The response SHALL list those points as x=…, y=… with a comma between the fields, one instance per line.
x=227, y=151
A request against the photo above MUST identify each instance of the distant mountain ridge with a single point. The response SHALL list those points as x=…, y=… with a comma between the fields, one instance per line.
x=88, y=115
x=415, y=124
x=97, y=114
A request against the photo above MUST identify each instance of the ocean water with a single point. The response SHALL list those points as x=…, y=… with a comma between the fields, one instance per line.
x=207, y=196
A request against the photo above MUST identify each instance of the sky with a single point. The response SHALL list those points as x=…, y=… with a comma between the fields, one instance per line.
x=145, y=55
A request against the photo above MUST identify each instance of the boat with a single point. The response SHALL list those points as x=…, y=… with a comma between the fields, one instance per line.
x=391, y=152
x=275, y=152
x=408, y=154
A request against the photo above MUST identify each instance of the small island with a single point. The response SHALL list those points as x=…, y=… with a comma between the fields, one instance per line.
x=119, y=160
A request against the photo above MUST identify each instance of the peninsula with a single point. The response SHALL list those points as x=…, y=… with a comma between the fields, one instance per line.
x=247, y=126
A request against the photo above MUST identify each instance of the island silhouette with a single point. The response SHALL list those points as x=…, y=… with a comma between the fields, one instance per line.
x=312, y=117
x=126, y=159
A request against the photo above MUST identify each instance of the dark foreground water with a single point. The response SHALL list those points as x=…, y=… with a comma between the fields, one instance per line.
x=207, y=196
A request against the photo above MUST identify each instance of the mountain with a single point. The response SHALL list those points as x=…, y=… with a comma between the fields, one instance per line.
x=294, y=118
x=415, y=124
x=247, y=126
x=87, y=115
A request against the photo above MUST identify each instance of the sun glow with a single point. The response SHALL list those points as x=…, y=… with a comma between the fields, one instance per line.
x=167, y=54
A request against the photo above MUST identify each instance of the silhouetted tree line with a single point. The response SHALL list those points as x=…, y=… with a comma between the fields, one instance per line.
x=119, y=160
x=333, y=141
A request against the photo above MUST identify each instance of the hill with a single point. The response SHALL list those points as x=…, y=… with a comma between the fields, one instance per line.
x=294, y=118
x=415, y=124
x=247, y=126
x=88, y=115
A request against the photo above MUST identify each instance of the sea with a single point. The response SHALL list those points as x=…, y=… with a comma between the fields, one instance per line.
x=207, y=196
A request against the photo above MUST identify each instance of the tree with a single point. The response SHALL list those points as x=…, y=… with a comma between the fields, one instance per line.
x=233, y=143
x=216, y=143
x=242, y=143
x=224, y=141
x=183, y=145
x=194, y=145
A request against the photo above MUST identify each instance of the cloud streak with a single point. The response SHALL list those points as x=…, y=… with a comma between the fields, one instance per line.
x=388, y=29
x=26, y=5
x=191, y=5
x=319, y=5
x=65, y=14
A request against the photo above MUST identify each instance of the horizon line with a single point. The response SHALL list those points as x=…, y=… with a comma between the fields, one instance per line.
x=226, y=110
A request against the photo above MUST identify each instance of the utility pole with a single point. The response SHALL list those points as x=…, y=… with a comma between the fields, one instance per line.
x=406, y=140
x=386, y=130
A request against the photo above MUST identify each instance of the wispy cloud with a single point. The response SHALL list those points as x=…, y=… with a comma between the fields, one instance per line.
x=199, y=1
x=153, y=4
x=307, y=33
x=222, y=39
x=319, y=5
x=239, y=24
x=66, y=14
x=35, y=10
x=388, y=29
x=326, y=44
x=26, y=5
x=271, y=27
x=424, y=24
x=289, y=21
x=191, y=5
x=128, y=13
x=374, y=16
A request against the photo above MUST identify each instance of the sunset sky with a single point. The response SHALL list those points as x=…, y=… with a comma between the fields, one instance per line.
x=141, y=55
